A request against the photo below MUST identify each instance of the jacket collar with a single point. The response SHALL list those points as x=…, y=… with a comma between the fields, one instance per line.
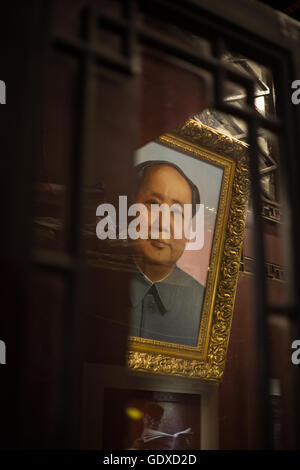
x=141, y=286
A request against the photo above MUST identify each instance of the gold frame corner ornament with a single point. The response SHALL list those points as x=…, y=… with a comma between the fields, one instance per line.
x=207, y=360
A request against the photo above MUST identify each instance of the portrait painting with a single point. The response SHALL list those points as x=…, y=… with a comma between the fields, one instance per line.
x=150, y=420
x=183, y=286
x=125, y=409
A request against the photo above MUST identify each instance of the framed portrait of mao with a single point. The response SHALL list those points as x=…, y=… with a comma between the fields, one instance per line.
x=188, y=213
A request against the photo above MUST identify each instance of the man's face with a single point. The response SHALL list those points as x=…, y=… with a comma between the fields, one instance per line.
x=163, y=184
x=152, y=422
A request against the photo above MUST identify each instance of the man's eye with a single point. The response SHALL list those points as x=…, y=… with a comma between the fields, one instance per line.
x=151, y=201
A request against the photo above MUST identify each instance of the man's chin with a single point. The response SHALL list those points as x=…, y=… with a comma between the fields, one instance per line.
x=159, y=260
x=157, y=256
x=153, y=253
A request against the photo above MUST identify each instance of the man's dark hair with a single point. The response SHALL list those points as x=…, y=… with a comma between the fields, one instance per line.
x=140, y=173
x=154, y=410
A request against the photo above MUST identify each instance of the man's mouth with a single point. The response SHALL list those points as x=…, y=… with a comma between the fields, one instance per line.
x=159, y=243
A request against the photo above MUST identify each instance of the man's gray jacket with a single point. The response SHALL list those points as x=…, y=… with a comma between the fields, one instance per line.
x=168, y=310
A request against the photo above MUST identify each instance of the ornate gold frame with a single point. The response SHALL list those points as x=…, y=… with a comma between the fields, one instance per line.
x=207, y=360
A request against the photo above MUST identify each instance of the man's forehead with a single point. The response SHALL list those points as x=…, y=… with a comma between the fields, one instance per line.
x=164, y=173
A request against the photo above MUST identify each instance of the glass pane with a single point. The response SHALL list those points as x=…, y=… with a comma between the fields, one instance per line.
x=51, y=210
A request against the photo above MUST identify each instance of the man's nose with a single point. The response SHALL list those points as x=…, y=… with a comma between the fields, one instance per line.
x=162, y=222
